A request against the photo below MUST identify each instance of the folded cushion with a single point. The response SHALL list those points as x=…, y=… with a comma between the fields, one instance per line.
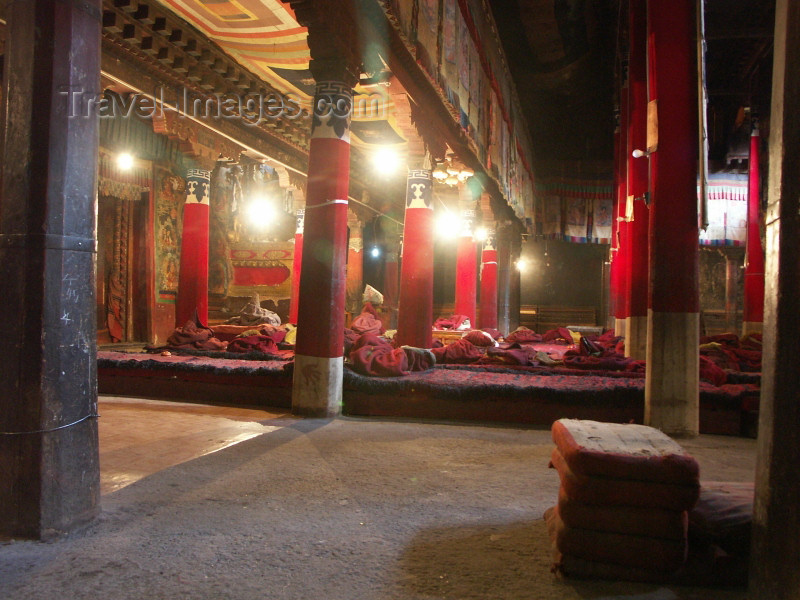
x=624, y=451
x=590, y=489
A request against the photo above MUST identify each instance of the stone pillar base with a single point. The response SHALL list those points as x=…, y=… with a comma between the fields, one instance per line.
x=636, y=337
x=317, y=386
x=752, y=327
x=619, y=327
x=672, y=384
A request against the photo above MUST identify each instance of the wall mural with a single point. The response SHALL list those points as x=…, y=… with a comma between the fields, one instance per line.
x=226, y=201
x=170, y=194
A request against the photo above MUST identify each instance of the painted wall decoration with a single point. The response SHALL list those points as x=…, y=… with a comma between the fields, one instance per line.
x=226, y=202
x=170, y=192
x=452, y=40
x=575, y=210
x=727, y=210
x=262, y=268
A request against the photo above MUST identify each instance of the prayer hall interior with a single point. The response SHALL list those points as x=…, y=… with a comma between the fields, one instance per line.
x=290, y=232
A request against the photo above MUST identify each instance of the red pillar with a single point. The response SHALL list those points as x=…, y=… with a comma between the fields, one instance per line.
x=193, y=274
x=637, y=284
x=753, y=316
x=415, y=318
x=672, y=383
x=622, y=258
x=466, y=269
x=317, y=381
x=297, y=266
x=488, y=308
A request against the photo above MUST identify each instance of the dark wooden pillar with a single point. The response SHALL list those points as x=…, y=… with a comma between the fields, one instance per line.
x=515, y=283
x=49, y=468
x=776, y=520
x=504, y=269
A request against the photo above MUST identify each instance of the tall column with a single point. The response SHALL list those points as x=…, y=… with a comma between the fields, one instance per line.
x=317, y=381
x=355, y=264
x=775, y=551
x=391, y=279
x=488, y=308
x=637, y=283
x=614, y=291
x=193, y=274
x=514, y=280
x=466, y=269
x=753, y=314
x=415, y=319
x=622, y=258
x=297, y=264
x=505, y=266
x=48, y=431
x=672, y=381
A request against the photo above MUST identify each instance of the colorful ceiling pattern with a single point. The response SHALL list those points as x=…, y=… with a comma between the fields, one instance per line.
x=265, y=37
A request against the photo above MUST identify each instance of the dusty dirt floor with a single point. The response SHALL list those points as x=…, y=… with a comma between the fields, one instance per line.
x=341, y=509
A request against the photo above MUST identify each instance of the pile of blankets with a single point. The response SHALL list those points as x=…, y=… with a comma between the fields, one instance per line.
x=623, y=503
x=376, y=356
x=253, y=313
x=367, y=321
x=194, y=336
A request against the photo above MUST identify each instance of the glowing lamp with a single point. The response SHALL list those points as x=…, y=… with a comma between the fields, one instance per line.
x=125, y=161
x=261, y=212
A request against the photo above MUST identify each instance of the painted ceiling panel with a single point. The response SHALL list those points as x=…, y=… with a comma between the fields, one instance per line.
x=264, y=37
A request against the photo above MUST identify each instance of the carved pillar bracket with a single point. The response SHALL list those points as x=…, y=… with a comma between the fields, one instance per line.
x=333, y=38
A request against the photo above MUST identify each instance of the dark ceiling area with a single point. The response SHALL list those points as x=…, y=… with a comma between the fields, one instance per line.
x=563, y=53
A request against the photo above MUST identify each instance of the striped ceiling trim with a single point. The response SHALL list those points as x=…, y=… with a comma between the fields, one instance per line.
x=265, y=37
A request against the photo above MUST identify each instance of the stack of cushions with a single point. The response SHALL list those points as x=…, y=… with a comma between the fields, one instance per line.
x=623, y=501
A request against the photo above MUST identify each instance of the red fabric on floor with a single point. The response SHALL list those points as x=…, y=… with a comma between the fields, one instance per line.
x=367, y=321
x=460, y=352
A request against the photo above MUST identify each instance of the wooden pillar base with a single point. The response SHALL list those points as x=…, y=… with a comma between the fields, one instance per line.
x=752, y=327
x=619, y=327
x=672, y=384
x=317, y=386
x=636, y=337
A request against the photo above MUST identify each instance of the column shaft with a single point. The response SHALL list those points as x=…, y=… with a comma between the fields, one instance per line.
x=297, y=266
x=48, y=432
x=488, y=307
x=466, y=270
x=753, y=313
x=317, y=381
x=636, y=319
x=193, y=274
x=775, y=551
x=672, y=382
x=415, y=318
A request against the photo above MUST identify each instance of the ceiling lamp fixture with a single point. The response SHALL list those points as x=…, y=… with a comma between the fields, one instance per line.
x=450, y=174
x=125, y=161
x=440, y=173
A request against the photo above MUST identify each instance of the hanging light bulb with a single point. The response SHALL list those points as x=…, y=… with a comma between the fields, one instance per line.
x=125, y=161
